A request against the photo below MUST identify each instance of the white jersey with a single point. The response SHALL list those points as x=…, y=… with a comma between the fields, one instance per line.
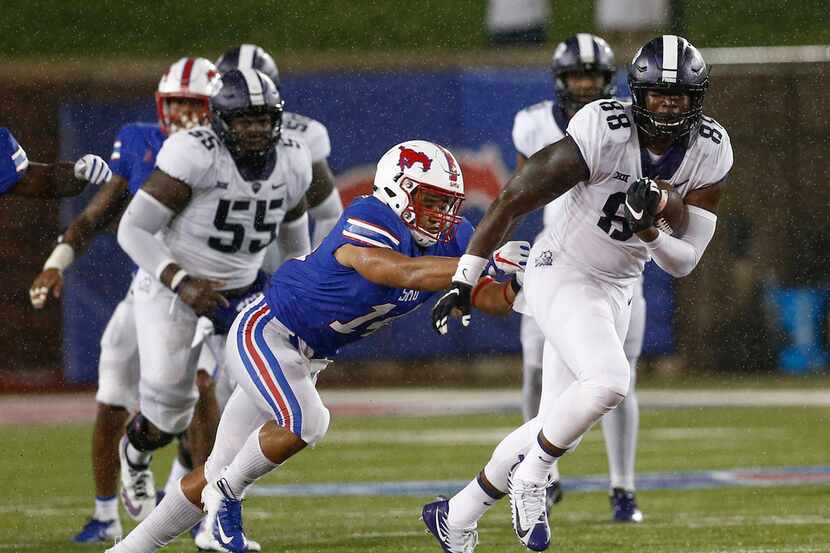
x=534, y=128
x=223, y=231
x=587, y=227
x=310, y=132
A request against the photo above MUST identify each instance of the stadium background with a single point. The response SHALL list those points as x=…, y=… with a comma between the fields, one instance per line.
x=73, y=72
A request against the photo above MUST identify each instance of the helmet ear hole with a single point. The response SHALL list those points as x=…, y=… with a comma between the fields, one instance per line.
x=389, y=191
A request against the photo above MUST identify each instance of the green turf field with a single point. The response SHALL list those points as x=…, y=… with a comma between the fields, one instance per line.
x=47, y=486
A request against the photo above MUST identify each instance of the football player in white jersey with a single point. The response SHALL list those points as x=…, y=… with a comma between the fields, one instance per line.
x=324, y=205
x=182, y=103
x=198, y=230
x=583, y=70
x=581, y=273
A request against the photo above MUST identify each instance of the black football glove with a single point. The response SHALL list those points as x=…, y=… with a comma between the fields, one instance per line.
x=456, y=301
x=641, y=204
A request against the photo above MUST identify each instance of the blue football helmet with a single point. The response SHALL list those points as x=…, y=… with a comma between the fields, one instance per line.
x=249, y=56
x=582, y=53
x=671, y=65
x=246, y=93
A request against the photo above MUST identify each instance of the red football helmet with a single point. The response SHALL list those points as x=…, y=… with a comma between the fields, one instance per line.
x=183, y=94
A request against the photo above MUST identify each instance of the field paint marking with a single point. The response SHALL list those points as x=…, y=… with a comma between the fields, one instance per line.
x=492, y=436
x=791, y=476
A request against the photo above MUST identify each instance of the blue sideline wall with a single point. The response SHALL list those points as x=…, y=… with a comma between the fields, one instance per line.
x=365, y=113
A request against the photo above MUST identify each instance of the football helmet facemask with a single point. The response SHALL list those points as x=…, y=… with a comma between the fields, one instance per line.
x=183, y=94
x=422, y=183
x=668, y=65
x=247, y=93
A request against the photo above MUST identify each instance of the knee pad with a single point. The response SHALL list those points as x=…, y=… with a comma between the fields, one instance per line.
x=144, y=436
x=315, y=431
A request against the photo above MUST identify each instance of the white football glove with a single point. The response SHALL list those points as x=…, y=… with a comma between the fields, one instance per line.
x=511, y=257
x=92, y=169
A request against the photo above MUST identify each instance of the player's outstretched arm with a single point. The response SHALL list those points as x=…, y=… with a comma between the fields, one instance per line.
x=545, y=176
x=101, y=210
x=61, y=179
x=395, y=270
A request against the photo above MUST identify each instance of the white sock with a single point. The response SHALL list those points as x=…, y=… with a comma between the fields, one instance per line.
x=536, y=465
x=469, y=505
x=177, y=471
x=248, y=465
x=174, y=515
x=554, y=471
x=106, y=508
x=138, y=458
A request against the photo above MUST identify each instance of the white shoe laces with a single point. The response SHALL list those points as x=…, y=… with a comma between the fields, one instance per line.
x=530, y=501
x=462, y=540
x=140, y=478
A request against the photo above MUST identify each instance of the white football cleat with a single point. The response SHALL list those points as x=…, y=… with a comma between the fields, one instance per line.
x=138, y=489
x=529, y=513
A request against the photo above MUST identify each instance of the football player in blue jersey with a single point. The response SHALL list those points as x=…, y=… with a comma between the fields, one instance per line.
x=182, y=102
x=387, y=255
x=21, y=177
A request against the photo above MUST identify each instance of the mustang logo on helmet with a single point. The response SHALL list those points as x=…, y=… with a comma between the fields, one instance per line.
x=410, y=157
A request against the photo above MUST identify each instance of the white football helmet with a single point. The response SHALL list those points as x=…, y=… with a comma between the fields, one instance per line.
x=422, y=182
x=189, y=79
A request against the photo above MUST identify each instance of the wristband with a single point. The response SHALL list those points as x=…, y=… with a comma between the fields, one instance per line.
x=62, y=256
x=177, y=279
x=469, y=269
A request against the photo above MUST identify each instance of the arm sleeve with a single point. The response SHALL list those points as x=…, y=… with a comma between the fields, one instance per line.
x=679, y=256
x=325, y=215
x=187, y=156
x=293, y=238
x=144, y=217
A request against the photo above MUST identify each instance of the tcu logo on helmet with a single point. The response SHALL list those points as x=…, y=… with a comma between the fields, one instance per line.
x=409, y=157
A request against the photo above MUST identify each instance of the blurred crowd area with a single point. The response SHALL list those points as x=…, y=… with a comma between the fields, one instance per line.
x=761, y=290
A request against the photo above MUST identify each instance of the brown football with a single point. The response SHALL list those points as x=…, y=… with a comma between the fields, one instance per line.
x=672, y=219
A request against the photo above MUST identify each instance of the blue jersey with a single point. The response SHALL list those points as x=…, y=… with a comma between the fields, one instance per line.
x=13, y=161
x=134, y=153
x=329, y=305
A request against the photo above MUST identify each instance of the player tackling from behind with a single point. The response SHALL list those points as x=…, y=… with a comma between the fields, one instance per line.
x=583, y=70
x=580, y=274
x=388, y=254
